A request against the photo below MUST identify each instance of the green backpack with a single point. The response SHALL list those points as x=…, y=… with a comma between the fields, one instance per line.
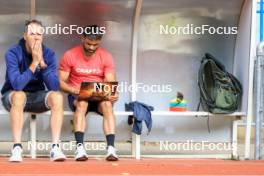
x=220, y=91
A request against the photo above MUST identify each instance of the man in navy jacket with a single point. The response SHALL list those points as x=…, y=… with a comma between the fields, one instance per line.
x=32, y=85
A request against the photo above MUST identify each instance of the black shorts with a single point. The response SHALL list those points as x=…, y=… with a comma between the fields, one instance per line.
x=92, y=105
x=36, y=102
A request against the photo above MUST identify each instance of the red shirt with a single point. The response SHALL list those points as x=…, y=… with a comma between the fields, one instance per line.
x=86, y=69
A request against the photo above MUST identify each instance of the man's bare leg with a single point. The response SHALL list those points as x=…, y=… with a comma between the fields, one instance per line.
x=18, y=100
x=79, y=122
x=79, y=116
x=106, y=108
x=55, y=102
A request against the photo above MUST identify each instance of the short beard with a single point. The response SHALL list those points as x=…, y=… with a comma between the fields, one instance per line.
x=88, y=52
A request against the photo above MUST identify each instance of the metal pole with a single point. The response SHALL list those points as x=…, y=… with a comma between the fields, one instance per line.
x=259, y=100
x=252, y=56
x=261, y=19
x=33, y=136
x=136, y=24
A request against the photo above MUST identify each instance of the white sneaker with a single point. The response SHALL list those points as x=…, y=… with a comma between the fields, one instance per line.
x=80, y=153
x=56, y=154
x=111, y=154
x=16, y=154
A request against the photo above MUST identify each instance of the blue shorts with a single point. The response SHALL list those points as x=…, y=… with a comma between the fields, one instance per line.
x=35, y=101
x=92, y=105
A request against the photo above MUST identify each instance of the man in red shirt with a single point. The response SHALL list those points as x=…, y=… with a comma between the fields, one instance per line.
x=89, y=63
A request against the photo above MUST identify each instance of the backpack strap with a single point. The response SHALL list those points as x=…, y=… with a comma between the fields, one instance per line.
x=208, y=99
x=236, y=83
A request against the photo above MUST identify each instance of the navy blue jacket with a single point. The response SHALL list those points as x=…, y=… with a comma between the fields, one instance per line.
x=20, y=77
x=142, y=112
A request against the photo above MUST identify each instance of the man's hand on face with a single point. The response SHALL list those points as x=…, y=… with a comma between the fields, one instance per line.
x=42, y=64
x=37, y=54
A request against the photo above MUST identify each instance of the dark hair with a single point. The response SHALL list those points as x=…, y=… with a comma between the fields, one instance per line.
x=28, y=22
x=93, y=32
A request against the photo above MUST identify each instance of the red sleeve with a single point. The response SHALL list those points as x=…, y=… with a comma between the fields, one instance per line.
x=65, y=62
x=109, y=66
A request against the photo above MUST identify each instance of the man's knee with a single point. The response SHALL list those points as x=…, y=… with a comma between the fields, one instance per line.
x=106, y=106
x=81, y=106
x=55, y=99
x=18, y=98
